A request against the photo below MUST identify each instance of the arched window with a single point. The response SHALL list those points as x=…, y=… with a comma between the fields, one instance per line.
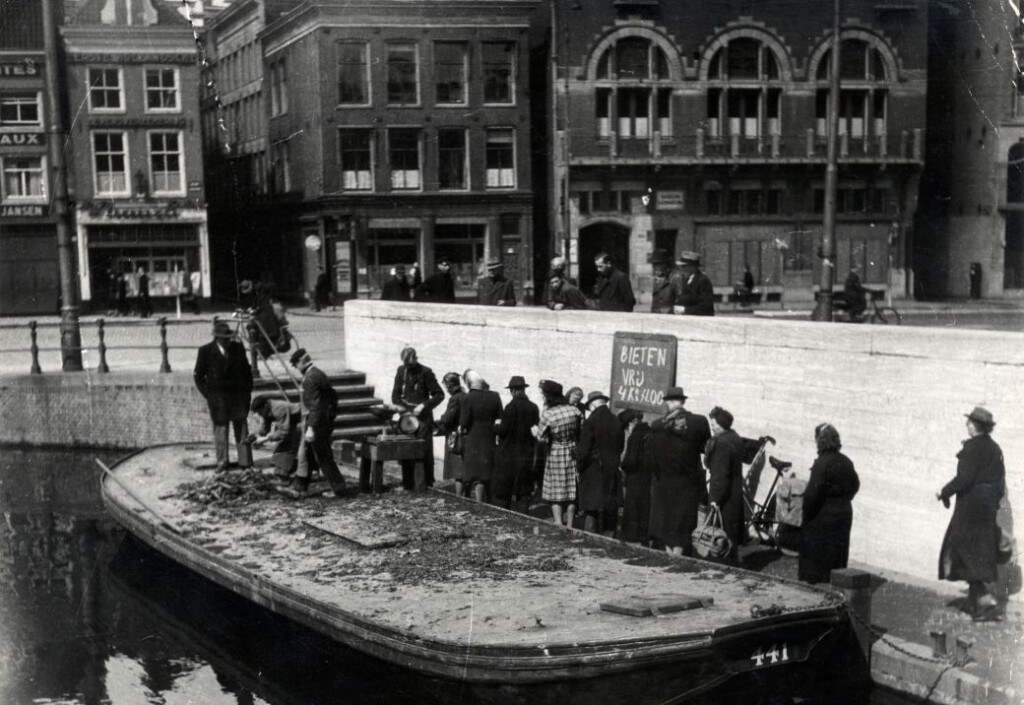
x=863, y=95
x=744, y=90
x=634, y=93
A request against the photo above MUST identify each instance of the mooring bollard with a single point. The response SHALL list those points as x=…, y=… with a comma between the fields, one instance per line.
x=165, y=364
x=963, y=651
x=102, y=347
x=36, y=369
x=856, y=588
x=938, y=643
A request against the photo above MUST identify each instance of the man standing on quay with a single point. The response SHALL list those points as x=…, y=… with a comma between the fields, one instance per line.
x=417, y=390
x=224, y=378
x=495, y=289
x=612, y=291
x=319, y=405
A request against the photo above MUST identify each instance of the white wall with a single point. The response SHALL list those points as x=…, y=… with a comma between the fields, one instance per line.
x=896, y=394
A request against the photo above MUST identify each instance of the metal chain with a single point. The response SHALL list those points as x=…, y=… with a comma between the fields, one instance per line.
x=882, y=636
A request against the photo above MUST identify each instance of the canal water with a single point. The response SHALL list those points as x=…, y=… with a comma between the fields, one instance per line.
x=88, y=616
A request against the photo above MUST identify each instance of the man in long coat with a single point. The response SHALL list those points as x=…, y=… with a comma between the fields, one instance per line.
x=514, y=464
x=724, y=457
x=678, y=486
x=223, y=376
x=600, y=450
x=439, y=287
x=612, y=290
x=563, y=295
x=416, y=389
x=697, y=295
x=495, y=289
x=667, y=282
x=397, y=287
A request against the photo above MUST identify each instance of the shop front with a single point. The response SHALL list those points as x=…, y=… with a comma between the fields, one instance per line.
x=169, y=244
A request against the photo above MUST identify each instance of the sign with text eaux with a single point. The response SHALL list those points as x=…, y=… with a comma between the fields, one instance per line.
x=643, y=367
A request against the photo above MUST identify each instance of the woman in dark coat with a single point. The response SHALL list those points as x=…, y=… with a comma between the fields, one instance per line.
x=969, y=548
x=600, y=450
x=828, y=512
x=678, y=487
x=724, y=457
x=636, y=513
x=448, y=424
x=514, y=465
x=477, y=416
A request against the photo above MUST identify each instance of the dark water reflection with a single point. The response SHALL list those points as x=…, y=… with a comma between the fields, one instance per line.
x=88, y=616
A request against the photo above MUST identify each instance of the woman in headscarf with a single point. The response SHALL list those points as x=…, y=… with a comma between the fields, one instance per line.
x=636, y=515
x=828, y=509
x=449, y=426
x=723, y=456
x=477, y=416
x=969, y=547
x=560, y=425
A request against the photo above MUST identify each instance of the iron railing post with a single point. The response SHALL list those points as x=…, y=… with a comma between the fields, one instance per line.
x=165, y=364
x=36, y=369
x=102, y=347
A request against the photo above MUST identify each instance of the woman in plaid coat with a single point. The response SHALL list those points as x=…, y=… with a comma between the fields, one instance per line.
x=560, y=426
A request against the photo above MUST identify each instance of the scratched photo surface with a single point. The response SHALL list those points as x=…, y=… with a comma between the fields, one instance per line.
x=525, y=351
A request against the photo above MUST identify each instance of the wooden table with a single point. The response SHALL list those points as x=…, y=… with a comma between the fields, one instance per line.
x=374, y=451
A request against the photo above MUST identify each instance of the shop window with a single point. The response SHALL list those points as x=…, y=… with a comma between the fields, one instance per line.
x=463, y=245
x=450, y=70
x=499, y=64
x=403, y=82
x=353, y=73
x=106, y=90
x=387, y=247
x=165, y=163
x=20, y=110
x=500, y=158
x=162, y=90
x=23, y=178
x=110, y=163
x=801, y=250
x=451, y=159
x=356, y=152
x=404, y=158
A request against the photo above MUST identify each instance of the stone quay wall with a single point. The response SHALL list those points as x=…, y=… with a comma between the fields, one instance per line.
x=117, y=410
x=897, y=395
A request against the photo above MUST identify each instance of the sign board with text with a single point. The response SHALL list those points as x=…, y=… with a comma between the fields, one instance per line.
x=643, y=367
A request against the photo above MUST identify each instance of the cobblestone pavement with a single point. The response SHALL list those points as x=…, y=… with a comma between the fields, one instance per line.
x=134, y=343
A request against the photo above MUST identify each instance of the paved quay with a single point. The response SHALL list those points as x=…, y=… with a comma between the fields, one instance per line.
x=904, y=610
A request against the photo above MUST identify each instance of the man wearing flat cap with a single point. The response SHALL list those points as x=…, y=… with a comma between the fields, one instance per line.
x=396, y=288
x=495, y=289
x=223, y=376
x=667, y=283
x=696, y=295
x=319, y=407
x=416, y=389
x=439, y=287
x=678, y=486
x=601, y=441
x=514, y=464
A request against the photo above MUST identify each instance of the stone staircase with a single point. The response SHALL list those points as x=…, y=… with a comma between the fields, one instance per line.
x=354, y=421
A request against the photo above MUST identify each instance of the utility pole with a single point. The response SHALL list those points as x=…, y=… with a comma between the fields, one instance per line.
x=70, y=333
x=823, y=309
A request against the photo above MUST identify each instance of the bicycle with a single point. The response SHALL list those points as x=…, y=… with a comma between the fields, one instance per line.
x=760, y=515
x=883, y=315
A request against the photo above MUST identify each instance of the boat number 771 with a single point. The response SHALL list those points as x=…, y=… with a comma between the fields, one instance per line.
x=769, y=657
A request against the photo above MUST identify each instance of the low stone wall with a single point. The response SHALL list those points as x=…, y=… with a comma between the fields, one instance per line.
x=896, y=394
x=117, y=410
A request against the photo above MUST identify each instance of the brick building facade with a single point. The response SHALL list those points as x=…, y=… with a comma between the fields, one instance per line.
x=705, y=130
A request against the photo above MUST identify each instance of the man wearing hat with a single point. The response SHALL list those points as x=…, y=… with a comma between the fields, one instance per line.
x=601, y=442
x=515, y=460
x=971, y=545
x=416, y=388
x=223, y=376
x=667, y=282
x=397, y=287
x=439, y=287
x=495, y=289
x=319, y=407
x=612, y=290
x=678, y=486
x=696, y=294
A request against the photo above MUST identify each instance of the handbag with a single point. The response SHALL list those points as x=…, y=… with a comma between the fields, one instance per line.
x=1005, y=548
x=709, y=538
x=455, y=442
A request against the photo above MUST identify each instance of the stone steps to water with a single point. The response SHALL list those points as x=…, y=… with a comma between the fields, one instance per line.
x=354, y=421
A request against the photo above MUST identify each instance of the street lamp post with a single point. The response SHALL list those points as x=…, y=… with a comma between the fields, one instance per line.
x=70, y=333
x=823, y=309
